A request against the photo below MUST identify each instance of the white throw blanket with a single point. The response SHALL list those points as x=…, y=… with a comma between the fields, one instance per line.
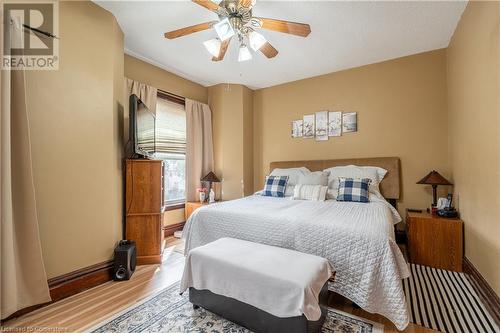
x=357, y=238
x=280, y=281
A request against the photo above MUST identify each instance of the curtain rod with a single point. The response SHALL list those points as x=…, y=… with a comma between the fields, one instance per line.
x=171, y=94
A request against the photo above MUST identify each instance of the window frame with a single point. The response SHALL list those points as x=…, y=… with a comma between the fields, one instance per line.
x=179, y=203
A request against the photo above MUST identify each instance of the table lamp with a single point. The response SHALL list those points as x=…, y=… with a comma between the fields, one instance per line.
x=434, y=179
x=210, y=178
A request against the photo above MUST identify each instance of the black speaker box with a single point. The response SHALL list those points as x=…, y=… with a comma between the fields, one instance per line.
x=125, y=260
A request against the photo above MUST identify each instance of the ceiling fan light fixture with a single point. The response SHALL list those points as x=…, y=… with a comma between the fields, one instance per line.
x=224, y=29
x=256, y=40
x=244, y=53
x=213, y=46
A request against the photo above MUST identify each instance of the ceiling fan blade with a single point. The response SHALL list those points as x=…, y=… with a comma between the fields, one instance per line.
x=246, y=3
x=223, y=49
x=294, y=28
x=189, y=30
x=207, y=4
x=268, y=50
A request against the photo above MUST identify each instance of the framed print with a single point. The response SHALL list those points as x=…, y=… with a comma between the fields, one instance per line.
x=334, y=123
x=308, y=126
x=349, y=122
x=322, y=126
x=297, y=128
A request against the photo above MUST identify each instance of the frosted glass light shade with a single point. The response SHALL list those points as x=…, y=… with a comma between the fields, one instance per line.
x=244, y=54
x=256, y=40
x=224, y=29
x=213, y=46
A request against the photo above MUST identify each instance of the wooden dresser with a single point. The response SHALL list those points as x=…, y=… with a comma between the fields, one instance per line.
x=144, y=208
x=435, y=241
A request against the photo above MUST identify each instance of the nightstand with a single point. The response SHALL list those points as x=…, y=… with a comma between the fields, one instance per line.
x=435, y=241
x=191, y=206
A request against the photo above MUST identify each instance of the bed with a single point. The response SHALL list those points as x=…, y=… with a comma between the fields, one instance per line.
x=358, y=239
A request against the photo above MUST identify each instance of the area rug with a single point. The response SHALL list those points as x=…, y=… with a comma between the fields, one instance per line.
x=170, y=312
x=445, y=301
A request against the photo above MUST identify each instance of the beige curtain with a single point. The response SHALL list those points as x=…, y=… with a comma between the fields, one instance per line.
x=147, y=94
x=23, y=277
x=199, y=146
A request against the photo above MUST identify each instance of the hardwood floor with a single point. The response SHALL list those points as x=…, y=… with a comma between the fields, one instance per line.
x=81, y=312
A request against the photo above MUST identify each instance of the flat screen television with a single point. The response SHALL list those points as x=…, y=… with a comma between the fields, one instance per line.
x=141, y=129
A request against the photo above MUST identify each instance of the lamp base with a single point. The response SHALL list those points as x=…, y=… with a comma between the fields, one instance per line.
x=434, y=209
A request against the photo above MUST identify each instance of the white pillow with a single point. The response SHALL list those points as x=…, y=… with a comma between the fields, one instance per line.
x=310, y=192
x=315, y=178
x=292, y=173
x=376, y=175
x=289, y=191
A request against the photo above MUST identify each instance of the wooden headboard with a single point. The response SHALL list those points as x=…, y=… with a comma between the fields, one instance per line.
x=389, y=187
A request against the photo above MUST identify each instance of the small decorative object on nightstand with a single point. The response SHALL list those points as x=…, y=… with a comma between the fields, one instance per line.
x=202, y=193
x=434, y=179
x=435, y=241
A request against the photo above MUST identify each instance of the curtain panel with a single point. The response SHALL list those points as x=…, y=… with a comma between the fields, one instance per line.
x=147, y=94
x=199, y=146
x=23, y=276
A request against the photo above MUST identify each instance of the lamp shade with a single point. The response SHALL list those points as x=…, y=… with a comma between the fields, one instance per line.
x=213, y=46
x=434, y=178
x=256, y=40
x=224, y=29
x=210, y=177
x=244, y=53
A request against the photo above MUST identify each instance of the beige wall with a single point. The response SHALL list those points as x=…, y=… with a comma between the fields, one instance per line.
x=144, y=72
x=215, y=101
x=231, y=106
x=141, y=71
x=174, y=216
x=75, y=115
x=474, y=122
x=401, y=106
x=247, y=141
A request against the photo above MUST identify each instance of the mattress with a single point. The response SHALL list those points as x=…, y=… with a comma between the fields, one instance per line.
x=357, y=238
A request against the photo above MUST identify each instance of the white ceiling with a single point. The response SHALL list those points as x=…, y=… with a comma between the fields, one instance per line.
x=344, y=35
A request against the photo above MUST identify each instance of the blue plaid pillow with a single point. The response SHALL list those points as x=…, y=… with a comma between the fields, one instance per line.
x=275, y=186
x=355, y=190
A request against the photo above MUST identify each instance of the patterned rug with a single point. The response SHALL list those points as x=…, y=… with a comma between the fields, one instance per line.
x=445, y=301
x=170, y=312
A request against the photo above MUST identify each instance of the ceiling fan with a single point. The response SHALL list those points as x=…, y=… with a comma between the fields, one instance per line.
x=235, y=19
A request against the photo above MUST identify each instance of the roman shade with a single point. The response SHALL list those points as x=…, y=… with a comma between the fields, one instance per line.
x=170, y=127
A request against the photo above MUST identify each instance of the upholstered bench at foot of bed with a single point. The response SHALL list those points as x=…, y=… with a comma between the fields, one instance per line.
x=261, y=287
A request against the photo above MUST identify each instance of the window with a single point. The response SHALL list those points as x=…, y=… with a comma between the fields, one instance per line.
x=171, y=147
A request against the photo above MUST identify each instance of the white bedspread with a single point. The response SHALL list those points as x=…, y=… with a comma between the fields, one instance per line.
x=282, y=282
x=357, y=238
